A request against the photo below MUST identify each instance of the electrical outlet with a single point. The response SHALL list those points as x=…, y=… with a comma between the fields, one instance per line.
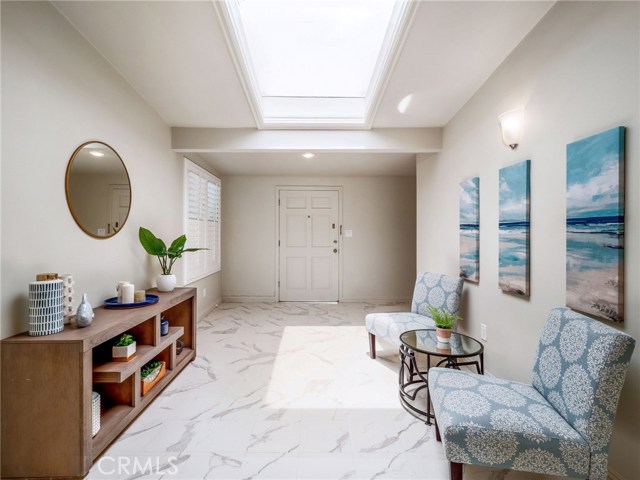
x=483, y=332
x=204, y=293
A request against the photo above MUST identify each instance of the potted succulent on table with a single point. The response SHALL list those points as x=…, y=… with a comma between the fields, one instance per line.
x=151, y=373
x=166, y=281
x=444, y=321
x=124, y=349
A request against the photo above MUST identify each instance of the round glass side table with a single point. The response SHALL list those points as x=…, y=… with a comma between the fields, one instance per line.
x=454, y=354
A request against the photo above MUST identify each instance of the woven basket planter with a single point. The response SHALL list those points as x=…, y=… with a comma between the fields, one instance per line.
x=153, y=378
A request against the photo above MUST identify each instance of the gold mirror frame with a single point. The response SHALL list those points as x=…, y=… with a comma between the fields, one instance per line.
x=110, y=230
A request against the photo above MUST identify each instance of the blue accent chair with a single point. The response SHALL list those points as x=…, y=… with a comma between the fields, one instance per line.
x=559, y=425
x=432, y=289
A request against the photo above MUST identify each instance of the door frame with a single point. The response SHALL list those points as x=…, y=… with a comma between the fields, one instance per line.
x=308, y=188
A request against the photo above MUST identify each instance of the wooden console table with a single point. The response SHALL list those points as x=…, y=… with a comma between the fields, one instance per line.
x=47, y=383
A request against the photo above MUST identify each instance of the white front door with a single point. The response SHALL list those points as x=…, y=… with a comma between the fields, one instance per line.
x=308, y=245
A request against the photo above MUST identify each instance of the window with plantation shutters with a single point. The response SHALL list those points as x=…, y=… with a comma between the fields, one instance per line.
x=202, y=222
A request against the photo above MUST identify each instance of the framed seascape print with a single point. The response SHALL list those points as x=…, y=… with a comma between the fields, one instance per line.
x=595, y=225
x=513, y=272
x=470, y=229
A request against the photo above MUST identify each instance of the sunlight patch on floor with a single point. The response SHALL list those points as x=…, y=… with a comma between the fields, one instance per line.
x=318, y=368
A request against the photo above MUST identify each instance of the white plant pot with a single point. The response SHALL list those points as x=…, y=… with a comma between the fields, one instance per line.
x=166, y=283
x=123, y=354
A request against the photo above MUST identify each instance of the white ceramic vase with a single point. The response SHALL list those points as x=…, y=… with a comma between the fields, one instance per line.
x=166, y=283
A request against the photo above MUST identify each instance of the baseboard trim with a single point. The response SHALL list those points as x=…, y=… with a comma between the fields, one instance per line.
x=248, y=299
x=375, y=300
x=260, y=299
x=215, y=305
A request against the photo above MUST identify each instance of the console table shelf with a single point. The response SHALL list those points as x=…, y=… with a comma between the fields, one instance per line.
x=47, y=383
x=117, y=372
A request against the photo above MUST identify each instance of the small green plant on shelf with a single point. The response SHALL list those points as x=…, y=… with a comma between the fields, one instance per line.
x=125, y=340
x=149, y=368
x=124, y=349
x=442, y=318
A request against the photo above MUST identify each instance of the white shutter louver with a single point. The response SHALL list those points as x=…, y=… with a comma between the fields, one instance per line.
x=202, y=217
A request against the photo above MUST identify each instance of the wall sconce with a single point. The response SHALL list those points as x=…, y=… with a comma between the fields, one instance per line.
x=511, y=125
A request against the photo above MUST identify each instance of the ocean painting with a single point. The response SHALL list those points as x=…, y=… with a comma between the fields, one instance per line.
x=513, y=276
x=470, y=229
x=595, y=225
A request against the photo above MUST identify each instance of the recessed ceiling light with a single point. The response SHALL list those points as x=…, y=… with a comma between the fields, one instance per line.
x=308, y=155
x=96, y=153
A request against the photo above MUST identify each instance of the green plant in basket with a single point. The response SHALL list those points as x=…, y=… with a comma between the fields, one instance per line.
x=166, y=256
x=442, y=318
x=149, y=368
x=125, y=340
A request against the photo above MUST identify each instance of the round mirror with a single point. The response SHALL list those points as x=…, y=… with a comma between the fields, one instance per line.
x=98, y=189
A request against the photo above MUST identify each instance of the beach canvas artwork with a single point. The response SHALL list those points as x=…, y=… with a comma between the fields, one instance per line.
x=470, y=229
x=513, y=276
x=595, y=224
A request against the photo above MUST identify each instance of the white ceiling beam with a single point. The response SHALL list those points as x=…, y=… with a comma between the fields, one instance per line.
x=384, y=140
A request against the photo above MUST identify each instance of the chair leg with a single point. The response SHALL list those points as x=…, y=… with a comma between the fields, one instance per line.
x=438, y=438
x=372, y=345
x=455, y=471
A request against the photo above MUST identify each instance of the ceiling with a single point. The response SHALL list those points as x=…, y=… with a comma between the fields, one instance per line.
x=174, y=54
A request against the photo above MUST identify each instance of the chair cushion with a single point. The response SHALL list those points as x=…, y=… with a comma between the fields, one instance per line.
x=500, y=423
x=436, y=290
x=390, y=326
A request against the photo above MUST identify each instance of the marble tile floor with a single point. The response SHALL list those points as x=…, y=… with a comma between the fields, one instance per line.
x=283, y=391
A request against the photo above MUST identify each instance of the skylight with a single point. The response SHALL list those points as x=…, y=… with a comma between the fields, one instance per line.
x=314, y=62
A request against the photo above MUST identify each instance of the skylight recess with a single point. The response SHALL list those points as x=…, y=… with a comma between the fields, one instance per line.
x=315, y=48
x=314, y=61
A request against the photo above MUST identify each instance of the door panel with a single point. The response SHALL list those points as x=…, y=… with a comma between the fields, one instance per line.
x=296, y=234
x=320, y=273
x=318, y=202
x=296, y=201
x=321, y=231
x=308, y=245
x=296, y=273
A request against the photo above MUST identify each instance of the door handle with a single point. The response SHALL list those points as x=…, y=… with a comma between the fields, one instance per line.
x=335, y=250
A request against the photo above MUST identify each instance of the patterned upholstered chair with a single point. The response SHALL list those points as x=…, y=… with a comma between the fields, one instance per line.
x=432, y=289
x=560, y=425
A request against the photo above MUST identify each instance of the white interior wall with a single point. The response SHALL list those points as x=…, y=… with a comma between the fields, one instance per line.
x=58, y=92
x=576, y=74
x=378, y=262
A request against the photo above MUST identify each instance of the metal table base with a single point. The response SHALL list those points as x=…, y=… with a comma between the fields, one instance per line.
x=410, y=375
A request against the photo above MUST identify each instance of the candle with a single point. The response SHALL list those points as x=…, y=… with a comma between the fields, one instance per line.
x=140, y=296
x=127, y=292
x=119, y=289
